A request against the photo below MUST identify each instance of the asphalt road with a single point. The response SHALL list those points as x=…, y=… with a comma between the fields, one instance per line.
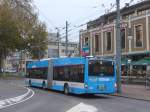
x=8, y=89
x=51, y=101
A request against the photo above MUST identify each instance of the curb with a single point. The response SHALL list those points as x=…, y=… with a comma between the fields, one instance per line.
x=11, y=78
x=129, y=97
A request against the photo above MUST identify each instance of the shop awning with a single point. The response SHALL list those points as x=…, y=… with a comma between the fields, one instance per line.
x=145, y=61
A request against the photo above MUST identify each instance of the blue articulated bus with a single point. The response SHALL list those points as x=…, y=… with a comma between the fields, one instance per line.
x=77, y=75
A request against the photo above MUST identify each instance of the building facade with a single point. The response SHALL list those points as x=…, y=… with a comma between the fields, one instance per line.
x=56, y=47
x=16, y=61
x=100, y=35
x=54, y=50
x=135, y=32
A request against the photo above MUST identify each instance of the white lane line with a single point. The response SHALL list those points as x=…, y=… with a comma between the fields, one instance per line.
x=16, y=100
x=81, y=107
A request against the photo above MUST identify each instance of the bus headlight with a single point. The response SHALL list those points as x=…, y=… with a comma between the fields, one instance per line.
x=115, y=85
x=85, y=85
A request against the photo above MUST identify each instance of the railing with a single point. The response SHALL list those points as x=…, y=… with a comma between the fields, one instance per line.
x=137, y=77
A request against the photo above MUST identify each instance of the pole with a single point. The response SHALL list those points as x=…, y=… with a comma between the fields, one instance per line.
x=39, y=49
x=21, y=61
x=58, y=40
x=66, y=38
x=118, y=47
x=39, y=53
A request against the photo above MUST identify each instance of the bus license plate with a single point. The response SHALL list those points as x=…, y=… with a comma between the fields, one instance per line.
x=102, y=88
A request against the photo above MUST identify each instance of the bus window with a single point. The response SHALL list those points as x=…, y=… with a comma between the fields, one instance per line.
x=72, y=73
x=58, y=73
x=66, y=73
x=37, y=73
x=99, y=68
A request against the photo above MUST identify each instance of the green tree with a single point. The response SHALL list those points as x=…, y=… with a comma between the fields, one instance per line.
x=9, y=35
x=38, y=41
x=18, y=24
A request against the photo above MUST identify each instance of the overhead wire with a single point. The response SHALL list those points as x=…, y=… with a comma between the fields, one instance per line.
x=81, y=25
x=77, y=26
x=46, y=18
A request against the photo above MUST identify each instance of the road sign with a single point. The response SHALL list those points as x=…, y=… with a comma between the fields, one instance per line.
x=85, y=51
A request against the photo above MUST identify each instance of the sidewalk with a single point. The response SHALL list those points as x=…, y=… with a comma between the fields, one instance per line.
x=135, y=92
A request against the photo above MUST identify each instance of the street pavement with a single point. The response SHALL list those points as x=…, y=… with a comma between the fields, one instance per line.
x=9, y=89
x=52, y=101
x=139, y=92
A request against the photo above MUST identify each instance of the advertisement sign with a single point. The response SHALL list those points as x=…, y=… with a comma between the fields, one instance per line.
x=85, y=51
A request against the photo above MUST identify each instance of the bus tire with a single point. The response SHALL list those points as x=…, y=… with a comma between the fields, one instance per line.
x=43, y=85
x=30, y=83
x=66, y=89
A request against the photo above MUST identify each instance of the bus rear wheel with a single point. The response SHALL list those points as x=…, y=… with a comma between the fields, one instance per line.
x=66, y=89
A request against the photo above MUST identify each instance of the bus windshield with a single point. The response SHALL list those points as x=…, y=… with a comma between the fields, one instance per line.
x=101, y=68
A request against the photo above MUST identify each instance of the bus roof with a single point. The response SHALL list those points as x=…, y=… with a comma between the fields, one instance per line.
x=56, y=62
x=100, y=58
x=103, y=59
x=68, y=61
x=61, y=61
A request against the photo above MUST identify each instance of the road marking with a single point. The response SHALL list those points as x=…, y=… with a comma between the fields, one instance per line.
x=81, y=107
x=16, y=100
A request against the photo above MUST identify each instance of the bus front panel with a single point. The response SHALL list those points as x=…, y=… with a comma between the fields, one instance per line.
x=101, y=77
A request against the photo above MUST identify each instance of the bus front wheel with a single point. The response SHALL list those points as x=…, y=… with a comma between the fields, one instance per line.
x=66, y=89
x=44, y=85
x=29, y=82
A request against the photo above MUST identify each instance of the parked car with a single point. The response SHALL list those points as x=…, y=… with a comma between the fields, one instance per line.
x=11, y=70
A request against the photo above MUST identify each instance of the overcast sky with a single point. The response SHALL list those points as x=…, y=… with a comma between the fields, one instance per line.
x=55, y=12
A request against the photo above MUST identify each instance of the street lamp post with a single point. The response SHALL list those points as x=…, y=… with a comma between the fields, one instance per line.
x=118, y=47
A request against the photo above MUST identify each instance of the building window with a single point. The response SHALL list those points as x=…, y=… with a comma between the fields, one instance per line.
x=63, y=50
x=108, y=41
x=138, y=36
x=142, y=12
x=96, y=43
x=86, y=41
x=148, y=11
x=125, y=17
x=52, y=52
x=123, y=34
x=63, y=44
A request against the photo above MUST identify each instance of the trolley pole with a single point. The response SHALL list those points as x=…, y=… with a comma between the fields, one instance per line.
x=66, y=38
x=118, y=47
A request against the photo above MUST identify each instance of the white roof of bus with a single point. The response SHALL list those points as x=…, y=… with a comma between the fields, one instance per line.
x=90, y=58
